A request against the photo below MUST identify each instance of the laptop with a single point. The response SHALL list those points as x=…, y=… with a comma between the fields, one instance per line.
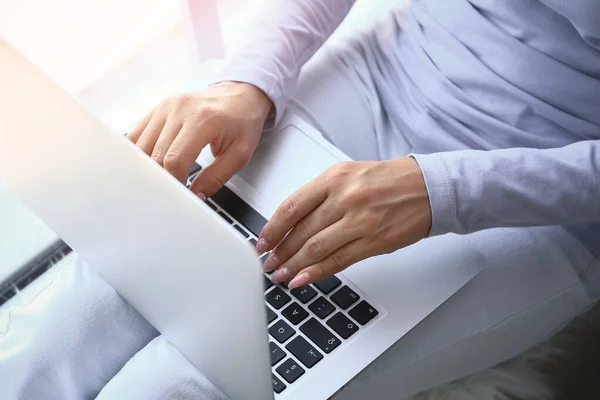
x=189, y=266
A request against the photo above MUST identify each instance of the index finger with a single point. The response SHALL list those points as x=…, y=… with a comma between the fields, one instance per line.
x=185, y=149
x=290, y=212
x=136, y=132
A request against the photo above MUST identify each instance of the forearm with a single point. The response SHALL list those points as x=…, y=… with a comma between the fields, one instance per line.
x=474, y=190
x=285, y=35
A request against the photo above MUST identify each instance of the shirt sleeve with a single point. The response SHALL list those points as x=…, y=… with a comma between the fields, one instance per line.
x=473, y=190
x=283, y=38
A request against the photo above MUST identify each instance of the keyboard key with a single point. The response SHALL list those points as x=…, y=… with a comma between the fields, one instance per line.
x=211, y=205
x=321, y=307
x=241, y=230
x=281, y=331
x=278, y=386
x=252, y=242
x=276, y=353
x=320, y=335
x=290, y=370
x=277, y=298
x=225, y=217
x=304, y=351
x=267, y=282
x=363, y=313
x=239, y=210
x=295, y=313
x=327, y=285
x=195, y=168
x=271, y=316
x=342, y=325
x=304, y=293
x=31, y=276
x=8, y=293
x=263, y=258
x=344, y=297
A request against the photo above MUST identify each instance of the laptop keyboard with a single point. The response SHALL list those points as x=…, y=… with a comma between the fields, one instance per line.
x=305, y=324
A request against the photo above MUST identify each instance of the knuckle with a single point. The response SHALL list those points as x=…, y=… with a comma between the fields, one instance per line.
x=172, y=161
x=340, y=259
x=181, y=99
x=340, y=170
x=157, y=157
x=367, y=222
x=316, y=249
x=302, y=230
x=209, y=110
x=245, y=151
x=354, y=195
x=171, y=103
x=288, y=208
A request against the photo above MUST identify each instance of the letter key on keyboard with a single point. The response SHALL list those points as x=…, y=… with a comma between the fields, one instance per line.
x=304, y=293
x=277, y=298
x=295, y=313
x=281, y=331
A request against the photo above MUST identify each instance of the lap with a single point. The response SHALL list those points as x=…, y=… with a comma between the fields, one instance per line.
x=71, y=339
x=338, y=94
x=159, y=372
x=79, y=338
x=529, y=287
x=527, y=290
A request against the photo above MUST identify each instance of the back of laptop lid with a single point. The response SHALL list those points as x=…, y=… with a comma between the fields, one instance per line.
x=169, y=255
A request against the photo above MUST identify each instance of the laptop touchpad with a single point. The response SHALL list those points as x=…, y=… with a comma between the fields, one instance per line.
x=285, y=160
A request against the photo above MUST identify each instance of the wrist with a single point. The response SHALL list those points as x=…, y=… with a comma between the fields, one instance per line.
x=254, y=94
x=413, y=188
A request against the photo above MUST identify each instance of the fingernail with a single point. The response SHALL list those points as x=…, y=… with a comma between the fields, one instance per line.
x=300, y=280
x=201, y=196
x=271, y=263
x=280, y=276
x=262, y=245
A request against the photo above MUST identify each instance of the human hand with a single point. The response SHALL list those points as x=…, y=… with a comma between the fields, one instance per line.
x=353, y=211
x=229, y=116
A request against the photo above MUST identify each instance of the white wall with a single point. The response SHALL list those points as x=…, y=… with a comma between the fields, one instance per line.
x=76, y=41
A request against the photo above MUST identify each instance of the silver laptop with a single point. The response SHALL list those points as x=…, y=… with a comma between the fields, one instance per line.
x=189, y=267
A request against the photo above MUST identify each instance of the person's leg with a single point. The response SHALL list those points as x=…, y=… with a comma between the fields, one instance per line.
x=336, y=94
x=160, y=372
x=70, y=340
x=528, y=290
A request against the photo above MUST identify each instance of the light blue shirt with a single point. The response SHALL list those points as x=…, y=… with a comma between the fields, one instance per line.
x=501, y=97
